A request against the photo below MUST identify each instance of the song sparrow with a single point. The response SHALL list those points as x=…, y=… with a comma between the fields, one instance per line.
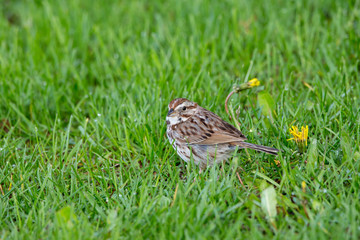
x=196, y=132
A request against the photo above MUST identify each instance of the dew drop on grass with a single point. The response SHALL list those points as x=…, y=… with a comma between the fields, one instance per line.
x=99, y=115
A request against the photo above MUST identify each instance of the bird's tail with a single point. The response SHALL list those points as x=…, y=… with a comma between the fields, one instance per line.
x=261, y=148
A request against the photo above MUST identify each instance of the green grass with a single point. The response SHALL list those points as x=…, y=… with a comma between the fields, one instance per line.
x=84, y=88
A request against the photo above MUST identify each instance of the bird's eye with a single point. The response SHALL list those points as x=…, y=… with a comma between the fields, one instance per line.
x=184, y=108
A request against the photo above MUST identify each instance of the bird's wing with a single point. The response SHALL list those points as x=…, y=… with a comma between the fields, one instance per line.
x=211, y=129
x=215, y=138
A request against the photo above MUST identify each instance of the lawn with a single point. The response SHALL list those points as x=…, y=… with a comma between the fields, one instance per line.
x=84, y=88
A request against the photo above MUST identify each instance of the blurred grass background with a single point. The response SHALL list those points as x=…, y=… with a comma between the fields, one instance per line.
x=84, y=88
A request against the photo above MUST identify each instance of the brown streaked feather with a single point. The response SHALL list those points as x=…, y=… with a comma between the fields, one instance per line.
x=177, y=101
x=216, y=138
x=222, y=125
x=256, y=147
x=213, y=130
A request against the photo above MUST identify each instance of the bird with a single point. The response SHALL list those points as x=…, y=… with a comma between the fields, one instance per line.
x=197, y=133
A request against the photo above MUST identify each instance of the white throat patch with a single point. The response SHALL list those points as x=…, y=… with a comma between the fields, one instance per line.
x=175, y=120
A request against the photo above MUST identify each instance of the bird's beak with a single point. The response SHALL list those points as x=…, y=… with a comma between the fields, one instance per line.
x=170, y=112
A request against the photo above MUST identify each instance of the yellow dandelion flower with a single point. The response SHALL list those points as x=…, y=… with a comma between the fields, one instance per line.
x=300, y=137
x=254, y=82
x=250, y=84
